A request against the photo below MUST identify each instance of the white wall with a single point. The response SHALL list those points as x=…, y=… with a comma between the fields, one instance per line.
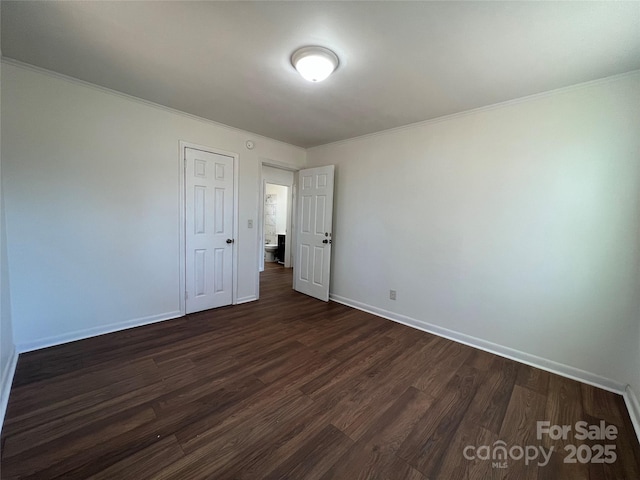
x=632, y=396
x=8, y=352
x=516, y=225
x=277, y=176
x=91, y=182
x=634, y=381
x=282, y=193
x=8, y=356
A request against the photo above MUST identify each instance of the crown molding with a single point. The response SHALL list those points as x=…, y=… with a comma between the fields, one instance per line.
x=485, y=108
x=77, y=81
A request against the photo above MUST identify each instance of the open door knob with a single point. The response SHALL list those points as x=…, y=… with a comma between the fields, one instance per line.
x=230, y=240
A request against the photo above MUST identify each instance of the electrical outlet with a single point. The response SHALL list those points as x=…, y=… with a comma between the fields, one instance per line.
x=249, y=223
x=392, y=294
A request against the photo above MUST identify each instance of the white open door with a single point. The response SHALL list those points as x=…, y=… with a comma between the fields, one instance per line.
x=209, y=230
x=313, y=232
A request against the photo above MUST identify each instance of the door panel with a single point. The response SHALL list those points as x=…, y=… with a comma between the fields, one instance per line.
x=209, y=223
x=317, y=265
x=321, y=201
x=314, y=235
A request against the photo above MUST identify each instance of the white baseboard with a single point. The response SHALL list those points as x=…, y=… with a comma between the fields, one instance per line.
x=94, y=332
x=6, y=380
x=510, y=353
x=633, y=405
x=247, y=299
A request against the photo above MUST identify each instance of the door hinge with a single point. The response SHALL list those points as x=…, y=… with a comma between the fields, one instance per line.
x=186, y=295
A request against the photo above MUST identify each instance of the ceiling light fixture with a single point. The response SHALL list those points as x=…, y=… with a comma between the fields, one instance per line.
x=314, y=63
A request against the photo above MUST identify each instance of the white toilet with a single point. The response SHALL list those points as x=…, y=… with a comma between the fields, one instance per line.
x=270, y=252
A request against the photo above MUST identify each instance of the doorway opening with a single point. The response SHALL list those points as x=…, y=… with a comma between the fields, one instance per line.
x=276, y=217
x=308, y=236
x=275, y=220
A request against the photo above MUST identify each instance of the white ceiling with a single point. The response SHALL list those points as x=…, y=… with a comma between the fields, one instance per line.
x=401, y=62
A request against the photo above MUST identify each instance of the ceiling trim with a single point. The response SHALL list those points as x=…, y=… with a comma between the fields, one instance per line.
x=444, y=118
x=486, y=108
x=62, y=76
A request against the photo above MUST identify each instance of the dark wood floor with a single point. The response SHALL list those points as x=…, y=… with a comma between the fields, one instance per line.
x=292, y=388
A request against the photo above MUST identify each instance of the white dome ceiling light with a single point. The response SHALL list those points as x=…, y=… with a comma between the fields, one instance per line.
x=314, y=63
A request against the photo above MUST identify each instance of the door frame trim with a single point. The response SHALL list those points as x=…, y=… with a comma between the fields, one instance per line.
x=182, y=219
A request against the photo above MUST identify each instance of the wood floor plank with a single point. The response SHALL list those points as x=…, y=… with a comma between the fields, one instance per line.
x=398, y=469
x=314, y=457
x=282, y=366
x=273, y=397
x=332, y=380
x=74, y=357
x=597, y=403
x=45, y=398
x=274, y=447
x=525, y=408
x=382, y=394
x=378, y=387
x=89, y=462
x=289, y=387
x=627, y=447
x=564, y=406
x=456, y=465
x=144, y=464
x=228, y=442
x=336, y=339
x=492, y=399
x=442, y=367
x=296, y=430
x=376, y=450
x=32, y=461
x=427, y=443
x=533, y=378
x=44, y=429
